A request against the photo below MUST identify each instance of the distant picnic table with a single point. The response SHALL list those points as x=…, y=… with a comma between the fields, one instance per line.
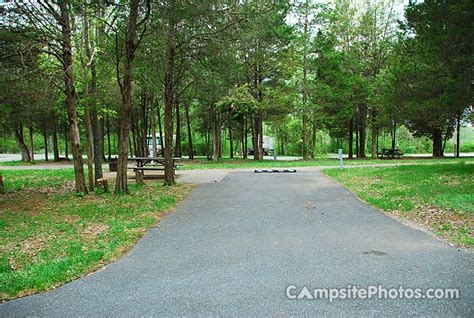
x=390, y=153
x=149, y=163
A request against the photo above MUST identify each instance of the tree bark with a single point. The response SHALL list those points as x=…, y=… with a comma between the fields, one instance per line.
x=362, y=119
x=357, y=138
x=70, y=98
x=231, y=143
x=242, y=137
x=85, y=79
x=87, y=124
x=313, y=140
x=55, y=141
x=45, y=140
x=66, y=144
x=245, y=141
x=255, y=137
x=109, y=148
x=177, y=150
x=437, y=143
x=351, y=138
x=169, y=103
x=153, y=131
x=393, y=134
x=190, y=135
x=260, y=137
x=96, y=125
x=373, y=146
x=144, y=125
x=215, y=136
x=121, y=182
x=458, y=136
x=304, y=94
x=25, y=153
x=32, y=146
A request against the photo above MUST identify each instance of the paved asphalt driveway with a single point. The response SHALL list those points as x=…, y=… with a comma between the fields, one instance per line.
x=232, y=248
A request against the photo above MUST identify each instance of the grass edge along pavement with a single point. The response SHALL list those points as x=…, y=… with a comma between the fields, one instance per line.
x=437, y=197
x=51, y=236
x=227, y=163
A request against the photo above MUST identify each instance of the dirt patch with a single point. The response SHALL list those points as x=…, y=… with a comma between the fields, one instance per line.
x=445, y=223
x=94, y=229
x=19, y=203
x=71, y=218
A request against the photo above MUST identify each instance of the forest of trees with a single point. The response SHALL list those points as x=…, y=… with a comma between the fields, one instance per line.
x=209, y=77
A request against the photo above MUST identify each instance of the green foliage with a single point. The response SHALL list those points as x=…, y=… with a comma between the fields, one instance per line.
x=239, y=102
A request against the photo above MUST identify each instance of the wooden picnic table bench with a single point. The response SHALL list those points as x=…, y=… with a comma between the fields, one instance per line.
x=150, y=164
x=390, y=153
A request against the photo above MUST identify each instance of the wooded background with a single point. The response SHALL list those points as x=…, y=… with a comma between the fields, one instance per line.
x=211, y=78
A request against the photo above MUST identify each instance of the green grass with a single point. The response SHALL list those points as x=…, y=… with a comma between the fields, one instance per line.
x=16, y=180
x=226, y=163
x=440, y=197
x=22, y=163
x=50, y=236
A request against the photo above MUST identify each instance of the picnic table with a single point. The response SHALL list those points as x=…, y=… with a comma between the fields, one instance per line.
x=390, y=153
x=149, y=163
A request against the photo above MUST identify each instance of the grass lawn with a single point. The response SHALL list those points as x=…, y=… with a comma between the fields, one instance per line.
x=440, y=197
x=22, y=163
x=227, y=163
x=250, y=163
x=50, y=236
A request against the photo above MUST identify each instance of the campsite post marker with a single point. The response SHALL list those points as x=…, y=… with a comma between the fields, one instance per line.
x=340, y=158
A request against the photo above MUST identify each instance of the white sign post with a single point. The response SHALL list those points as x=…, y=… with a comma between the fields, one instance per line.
x=339, y=154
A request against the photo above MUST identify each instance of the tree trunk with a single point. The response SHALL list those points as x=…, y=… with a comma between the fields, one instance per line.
x=190, y=135
x=313, y=140
x=160, y=129
x=351, y=138
x=66, y=144
x=255, y=137
x=394, y=136
x=177, y=150
x=215, y=136
x=87, y=124
x=153, y=131
x=304, y=133
x=25, y=153
x=458, y=136
x=245, y=141
x=85, y=92
x=260, y=138
x=208, y=146
x=144, y=122
x=357, y=138
x=109, y=148
x=373, y=146
x=231, y=143
x=45, y=139
x=121, y=182
x=55, y=141
x=96, y=125
x=32, y=146
x=70, y=98
x=437, y=143
x=242, y=137
x=169, y=103
x=362, y=131
x=305, y=92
